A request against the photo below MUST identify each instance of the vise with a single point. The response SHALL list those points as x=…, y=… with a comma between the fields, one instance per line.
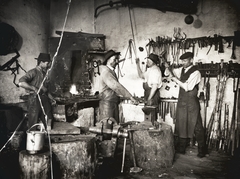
x=116, y=131
x=108, y=131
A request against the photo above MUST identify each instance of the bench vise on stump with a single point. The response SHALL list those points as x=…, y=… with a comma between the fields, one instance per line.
x=150, y=113
x=108, y=131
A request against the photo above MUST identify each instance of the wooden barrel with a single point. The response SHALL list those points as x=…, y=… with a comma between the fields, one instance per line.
x=34, y=166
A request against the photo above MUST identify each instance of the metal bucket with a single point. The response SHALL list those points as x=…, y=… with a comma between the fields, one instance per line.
x=35, y=139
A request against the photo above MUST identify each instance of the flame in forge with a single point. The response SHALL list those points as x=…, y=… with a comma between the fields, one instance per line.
x=73, y=90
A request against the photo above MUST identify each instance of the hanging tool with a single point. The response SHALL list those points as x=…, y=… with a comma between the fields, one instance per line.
x=7, y=66
x=134, y=42
x=233, y=56
x=207, y=97
x=131, y=47
x=131, y=42
x=210, y=42
x=220, y=44
x=201, y=95
x=215, y=41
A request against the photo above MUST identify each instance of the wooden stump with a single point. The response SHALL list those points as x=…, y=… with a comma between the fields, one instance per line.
x=75, y=157
x=34, y=166
x=154, y=149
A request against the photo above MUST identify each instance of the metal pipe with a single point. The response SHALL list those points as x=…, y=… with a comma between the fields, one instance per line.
x=124, y=150
x=109, y=4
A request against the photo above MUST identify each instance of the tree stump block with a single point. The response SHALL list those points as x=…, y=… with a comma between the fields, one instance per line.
x=75, y=156
x=34, y=166
x=154, y=148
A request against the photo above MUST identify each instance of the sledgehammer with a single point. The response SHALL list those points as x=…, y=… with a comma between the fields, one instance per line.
x=134, y=169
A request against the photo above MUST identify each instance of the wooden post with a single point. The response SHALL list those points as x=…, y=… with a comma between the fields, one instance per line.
x=34, y=166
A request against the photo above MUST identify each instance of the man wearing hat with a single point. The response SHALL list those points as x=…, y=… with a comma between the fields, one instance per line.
x=152, y=80
x=109, y=88
x=188, y=118
x=31, y=82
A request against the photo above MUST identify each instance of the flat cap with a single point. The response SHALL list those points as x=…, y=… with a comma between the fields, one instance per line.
x=109, y=54
x=44, y=57
x=186, y=55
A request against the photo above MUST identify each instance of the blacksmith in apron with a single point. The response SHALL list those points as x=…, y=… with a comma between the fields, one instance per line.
x=152, y=80
x=110, y=89
x=109, y=92
x=188, y=118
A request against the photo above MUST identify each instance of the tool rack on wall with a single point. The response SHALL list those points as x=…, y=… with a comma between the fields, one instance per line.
x=214, y=69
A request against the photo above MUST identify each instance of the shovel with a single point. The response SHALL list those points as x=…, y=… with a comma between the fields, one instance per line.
x=134, y=169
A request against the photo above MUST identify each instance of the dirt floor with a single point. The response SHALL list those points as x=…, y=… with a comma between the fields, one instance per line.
x=216, y=165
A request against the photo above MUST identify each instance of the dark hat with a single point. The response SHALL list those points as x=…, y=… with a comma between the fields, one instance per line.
x=44, y=57
x=154, y=58
x=109, y=54
x=186, y=55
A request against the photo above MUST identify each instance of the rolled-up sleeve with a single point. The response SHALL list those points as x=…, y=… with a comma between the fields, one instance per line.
x=153, y=77
x=193, y=80
x=28, y=76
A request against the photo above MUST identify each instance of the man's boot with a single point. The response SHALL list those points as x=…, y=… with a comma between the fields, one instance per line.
x=201, y=151
x=182, y=144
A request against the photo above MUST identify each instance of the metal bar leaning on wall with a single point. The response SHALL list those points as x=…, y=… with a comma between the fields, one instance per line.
x=168, y=106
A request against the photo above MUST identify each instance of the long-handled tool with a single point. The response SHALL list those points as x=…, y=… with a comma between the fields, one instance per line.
x=124, y=150
x=134, y=169
x=237, y=117
x=231, y=136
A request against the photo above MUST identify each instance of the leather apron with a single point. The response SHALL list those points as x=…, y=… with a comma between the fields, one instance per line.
x=156, y=96
x=108, y=104
x=188, y=109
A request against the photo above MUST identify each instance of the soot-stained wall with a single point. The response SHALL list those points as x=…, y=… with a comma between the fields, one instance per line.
x=30, y=18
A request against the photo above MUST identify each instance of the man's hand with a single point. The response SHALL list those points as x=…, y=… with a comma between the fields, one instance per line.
x=34, y=89
x=166, y=65
x=53, y=102
x=134, y=101
x=44, y=89
x=149, y=102
x=174, y=79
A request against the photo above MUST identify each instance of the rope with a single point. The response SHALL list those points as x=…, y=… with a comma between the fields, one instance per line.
x=13, y=133
x=54, y=57
x=134, y=46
